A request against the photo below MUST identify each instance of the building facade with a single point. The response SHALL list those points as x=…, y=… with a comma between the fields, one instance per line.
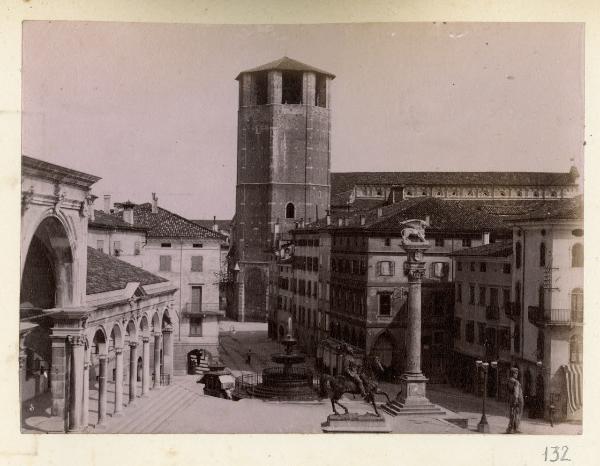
x=190, y=257
x=548, y=288
x=483, y=326
x=283, y=162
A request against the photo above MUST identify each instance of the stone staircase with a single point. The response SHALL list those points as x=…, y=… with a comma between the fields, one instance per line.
x=149, y=413
x=395, y=408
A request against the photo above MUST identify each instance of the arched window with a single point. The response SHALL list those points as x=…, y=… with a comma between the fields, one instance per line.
x=577, y=255
x=575, y=349
x=290, y=210
x=542, y=254
x=577, y=305
x=518, y=254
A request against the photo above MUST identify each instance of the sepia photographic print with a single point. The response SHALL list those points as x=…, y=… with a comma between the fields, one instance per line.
x=366, y=228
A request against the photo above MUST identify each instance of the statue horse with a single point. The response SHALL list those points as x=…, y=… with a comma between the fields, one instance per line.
x=334, y=387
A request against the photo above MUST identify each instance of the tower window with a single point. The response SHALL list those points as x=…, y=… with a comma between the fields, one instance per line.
x=321, y=91
x=291, y=92
x=290, y=211
x=260, y=85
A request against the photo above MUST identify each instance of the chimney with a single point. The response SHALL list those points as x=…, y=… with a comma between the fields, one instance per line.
x=154, y=203
x=379, y=212
x=363, y=220
x=215, y=226
x=128, y=212
x=107, y=203
x=486, y=237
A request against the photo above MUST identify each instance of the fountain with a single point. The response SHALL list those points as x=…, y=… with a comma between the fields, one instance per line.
x=286, y=382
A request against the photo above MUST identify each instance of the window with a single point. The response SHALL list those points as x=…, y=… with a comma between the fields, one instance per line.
x=575, y=349
x=439, y=269
x=438, y=338
x=470, y=331
x=577, y=305
x=471, y=294
x=197, y=263
x=494, y=297
x=196, y=326
x=459, y=266
x=480, y=333
x=542, y=254
x=261, y=86
x=291, y=87
x=197, y=245
x=541, y=298
x=577, y=255
x=459, y=293
x=482, y=266
x=165, y=264
x=439, y=242
x=505, y=268
x=385, y=304
x=505, y=298
x=456, y=328
x=385, y=268
x=321, y=91
x=482, y=295
x=165, y=245
x=466, y=242
x=517, y=339
x=518, y=254
x=387, y=242
x=504, y=338
x=136, y=248
x=100, y=245
x=196, y=304
x=290, y=211
x=472, y=267
x=117, y=248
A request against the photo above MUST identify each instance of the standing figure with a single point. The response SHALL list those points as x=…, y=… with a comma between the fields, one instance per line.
x=515, y=402
x=249, y=357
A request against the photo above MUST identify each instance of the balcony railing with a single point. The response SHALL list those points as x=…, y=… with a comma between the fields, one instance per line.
x=202, y=309
x=539, y=316
x=492, y=312
x=513, y=310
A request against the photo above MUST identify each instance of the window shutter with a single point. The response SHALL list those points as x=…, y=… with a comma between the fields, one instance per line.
x=197, y=263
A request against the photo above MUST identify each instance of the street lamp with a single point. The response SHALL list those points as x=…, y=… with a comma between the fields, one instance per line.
x=483, y=426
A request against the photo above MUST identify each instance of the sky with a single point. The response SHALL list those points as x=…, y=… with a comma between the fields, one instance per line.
x=153, y=107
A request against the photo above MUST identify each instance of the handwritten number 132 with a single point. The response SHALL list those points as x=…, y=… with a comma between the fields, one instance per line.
x=553, y=454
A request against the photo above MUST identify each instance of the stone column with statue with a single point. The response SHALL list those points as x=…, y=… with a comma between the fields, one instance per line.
x=412, y=397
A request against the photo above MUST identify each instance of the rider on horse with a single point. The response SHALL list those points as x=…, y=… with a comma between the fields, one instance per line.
x=353, y=373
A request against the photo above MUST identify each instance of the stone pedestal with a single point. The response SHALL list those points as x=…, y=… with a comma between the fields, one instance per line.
x=412, y=398
x=355, y=423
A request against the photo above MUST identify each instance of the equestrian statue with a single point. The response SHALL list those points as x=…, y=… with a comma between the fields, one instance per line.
x=361, y=380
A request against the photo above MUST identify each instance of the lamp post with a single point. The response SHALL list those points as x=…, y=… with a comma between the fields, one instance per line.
x=483, y=426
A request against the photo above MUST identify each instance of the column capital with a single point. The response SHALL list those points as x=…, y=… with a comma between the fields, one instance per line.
x=157, y=334
x=118, y=351
x=132, y=344
x=76, y=340
x=168, y=329
x=102, y=357
x=416, y=274
x=145, y=339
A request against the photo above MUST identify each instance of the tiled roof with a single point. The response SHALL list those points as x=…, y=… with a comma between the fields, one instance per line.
x=341, y=182
x=444, y=215
x=223, y=224
x=285, y=64
x=107, y=273
x=500, y=249
x=165, y=224
x=108, y=221
x=562, y=209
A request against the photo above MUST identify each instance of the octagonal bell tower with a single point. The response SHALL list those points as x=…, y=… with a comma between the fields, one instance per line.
x=283, y=164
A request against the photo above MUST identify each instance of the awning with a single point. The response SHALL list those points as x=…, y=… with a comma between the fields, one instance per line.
x=573, y=374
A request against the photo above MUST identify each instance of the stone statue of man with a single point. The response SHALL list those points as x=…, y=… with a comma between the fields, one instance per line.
x=515, y=402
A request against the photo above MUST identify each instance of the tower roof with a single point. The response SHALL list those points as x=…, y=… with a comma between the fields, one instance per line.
x=285, y=64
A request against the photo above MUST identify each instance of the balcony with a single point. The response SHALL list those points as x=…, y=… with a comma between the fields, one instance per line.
x=492, y=312
x=513, y=310
x=540, y=317
x=202, y=309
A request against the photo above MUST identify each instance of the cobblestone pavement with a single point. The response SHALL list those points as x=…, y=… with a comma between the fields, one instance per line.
x=235, y=346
